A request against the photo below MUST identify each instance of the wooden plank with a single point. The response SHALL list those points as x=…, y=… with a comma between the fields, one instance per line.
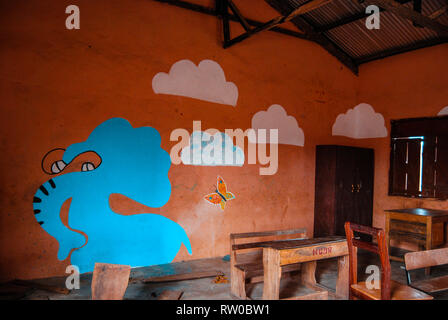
x=432, y=285
x=11, y=291
x=413, y=227
x=286, y=243
x=309, y=6
x=438, y=12
x=398, y=292
x=308, y=273
x=213, y=12
x=238, y=14
x=314, y=252
x=267, y=233
x=109, y=281
x=407, y=237
x=261, y=244
x=321, y=295
x=366, y=245
x=41, y=286
x=343, y=281
x=170, y=295
x=427, y=258
x=225, y=19
x=401, y=49
x=396, y=215
x=305, y=8
x=184, y=276
x=407, y=13
x=272, y=274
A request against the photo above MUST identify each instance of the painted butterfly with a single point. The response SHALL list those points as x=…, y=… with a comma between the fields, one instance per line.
x=220, y=196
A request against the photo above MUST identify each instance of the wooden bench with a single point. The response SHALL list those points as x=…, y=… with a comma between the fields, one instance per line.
x=246, y=267
x=425, y=259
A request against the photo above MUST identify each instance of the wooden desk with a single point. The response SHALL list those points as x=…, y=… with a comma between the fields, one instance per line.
x=426, y=227
x=278, y=254
x=422, y=226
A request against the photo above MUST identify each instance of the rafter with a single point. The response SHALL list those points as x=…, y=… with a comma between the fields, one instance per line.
x=321, y=39
x=402, y=49
x=238, y=14
x=307, y=7
x=438, y=12
x=215, y=12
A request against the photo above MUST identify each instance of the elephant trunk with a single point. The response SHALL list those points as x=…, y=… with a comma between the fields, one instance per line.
x=47, y=204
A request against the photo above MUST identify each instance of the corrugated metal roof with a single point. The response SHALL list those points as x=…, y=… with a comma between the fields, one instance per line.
x=360, y=43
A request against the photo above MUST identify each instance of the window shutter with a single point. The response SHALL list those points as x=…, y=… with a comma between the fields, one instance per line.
x=441, y=167
x=397, y=184
x=413, y=168
x=429, y=152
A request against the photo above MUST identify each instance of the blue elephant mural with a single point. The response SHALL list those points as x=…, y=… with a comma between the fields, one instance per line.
x=120, y=159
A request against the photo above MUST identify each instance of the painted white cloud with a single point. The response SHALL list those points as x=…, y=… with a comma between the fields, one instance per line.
x=211, y=150
x=204, y=82
x=276, y=117
x=361, y=122
x=443, y=112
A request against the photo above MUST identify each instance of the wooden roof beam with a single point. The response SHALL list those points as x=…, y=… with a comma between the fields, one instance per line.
x=307, y=7
x=214, y=12
x=319, y=38
x=401, y=49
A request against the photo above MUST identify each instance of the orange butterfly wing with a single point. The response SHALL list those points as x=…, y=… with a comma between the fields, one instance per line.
x=213, y=198
x=221, y=186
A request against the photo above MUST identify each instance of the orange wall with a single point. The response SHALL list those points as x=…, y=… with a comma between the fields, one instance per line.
x=403, y=86
x=57, y=85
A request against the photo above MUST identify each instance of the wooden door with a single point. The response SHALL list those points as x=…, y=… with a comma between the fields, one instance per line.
x=355, y=187
x=363, y=194
x=345, y=200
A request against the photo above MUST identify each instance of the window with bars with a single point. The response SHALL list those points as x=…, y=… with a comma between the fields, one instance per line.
x=419, y=158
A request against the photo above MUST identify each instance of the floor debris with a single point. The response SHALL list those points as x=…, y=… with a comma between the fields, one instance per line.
x=221, y=279
x=184, y=276
x=41, y=286
x=170, y=295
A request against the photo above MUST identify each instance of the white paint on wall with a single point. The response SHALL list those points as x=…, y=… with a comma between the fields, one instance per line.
x=443, y=112
x=204, y=82
x=276, y=117
x=361, y=122
x=211, y=150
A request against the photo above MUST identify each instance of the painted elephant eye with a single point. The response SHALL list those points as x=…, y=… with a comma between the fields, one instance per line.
x=87, y=166
x=58, y=166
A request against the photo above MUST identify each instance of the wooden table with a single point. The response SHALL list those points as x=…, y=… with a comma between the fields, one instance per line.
x=426, y=227
x=423, y=226
x=278, y=254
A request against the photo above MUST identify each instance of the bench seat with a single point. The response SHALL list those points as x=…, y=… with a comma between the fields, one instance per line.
x=248, y=266
x=424, y=259
x=255, y=269
x=432, y=285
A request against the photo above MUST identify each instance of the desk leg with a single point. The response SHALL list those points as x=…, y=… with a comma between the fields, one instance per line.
x=308, y=272
x=272, y=274
x=386, y=231
x=428, y=241
x=342, y=284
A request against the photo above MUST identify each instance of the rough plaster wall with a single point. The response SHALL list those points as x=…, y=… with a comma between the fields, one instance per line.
x=57, y=85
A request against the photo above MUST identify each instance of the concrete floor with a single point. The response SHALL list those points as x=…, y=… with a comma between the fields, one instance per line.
x=206, y=289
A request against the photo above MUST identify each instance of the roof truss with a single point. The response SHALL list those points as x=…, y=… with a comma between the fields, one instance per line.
x=227, y=11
